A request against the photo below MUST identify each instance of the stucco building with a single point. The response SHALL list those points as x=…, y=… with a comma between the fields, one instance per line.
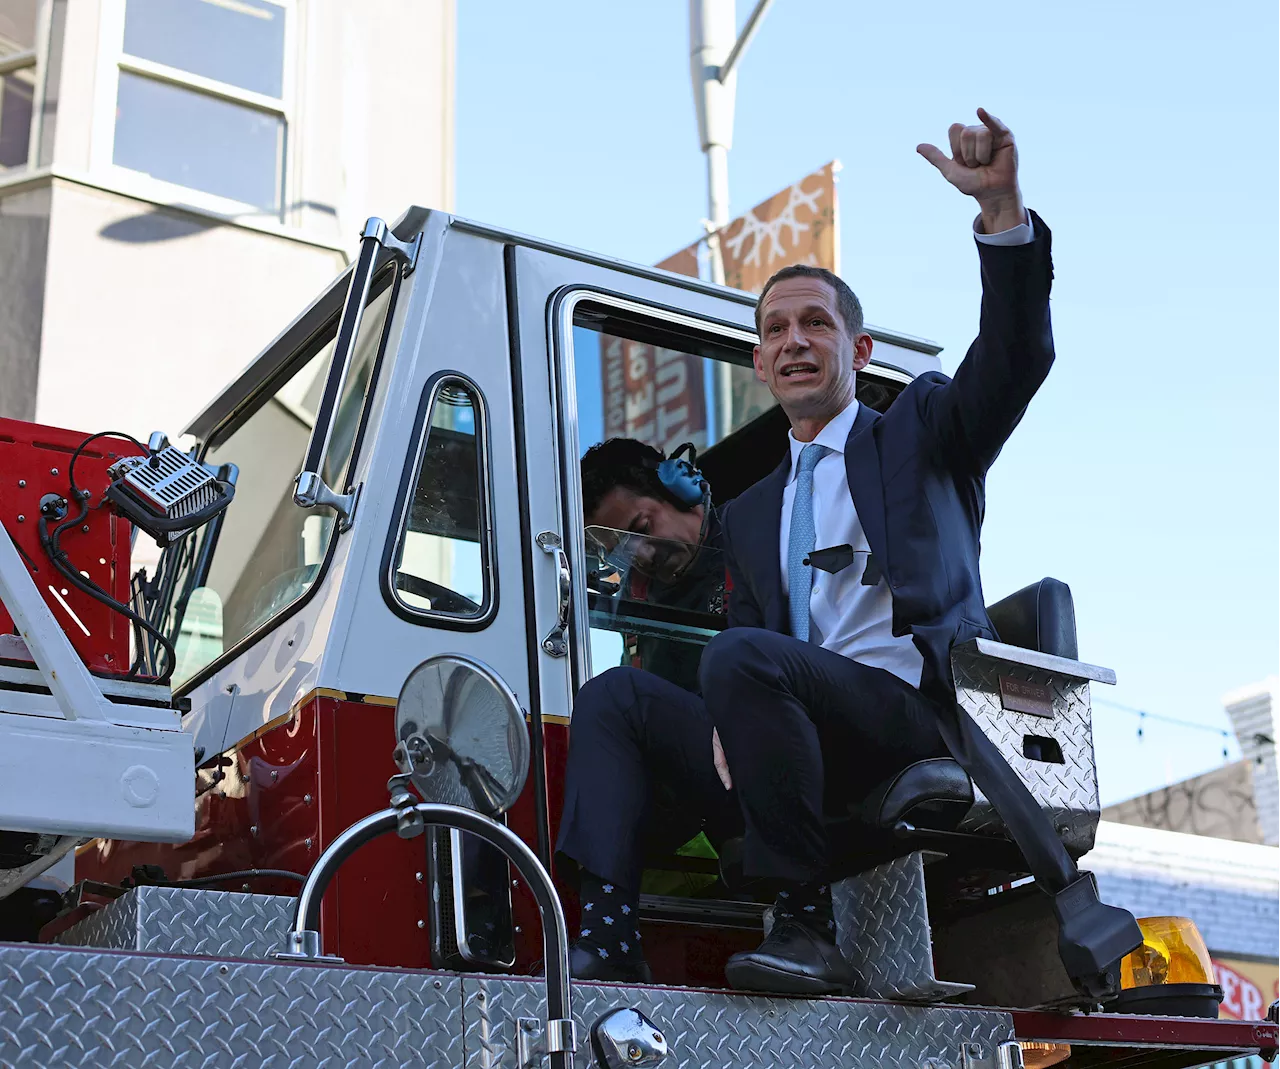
x=178, y=178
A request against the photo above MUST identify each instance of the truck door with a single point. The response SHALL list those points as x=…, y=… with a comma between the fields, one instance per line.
x=605, y=351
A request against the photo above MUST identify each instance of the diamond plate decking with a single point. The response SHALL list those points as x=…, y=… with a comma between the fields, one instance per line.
x=181, y=920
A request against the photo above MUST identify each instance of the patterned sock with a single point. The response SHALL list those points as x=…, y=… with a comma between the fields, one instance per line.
x=610, y=919
x=809, y=904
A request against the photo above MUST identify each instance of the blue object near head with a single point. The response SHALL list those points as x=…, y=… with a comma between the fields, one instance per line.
x=682, y=479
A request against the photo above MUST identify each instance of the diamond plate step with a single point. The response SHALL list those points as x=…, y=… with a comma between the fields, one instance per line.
x=182, y=920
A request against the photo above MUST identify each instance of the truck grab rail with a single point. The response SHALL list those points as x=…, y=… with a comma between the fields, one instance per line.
x=311, y=490
x=304, y=942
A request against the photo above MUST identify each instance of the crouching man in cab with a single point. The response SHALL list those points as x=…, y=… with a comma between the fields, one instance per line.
x=854, y=570
x=656, y=536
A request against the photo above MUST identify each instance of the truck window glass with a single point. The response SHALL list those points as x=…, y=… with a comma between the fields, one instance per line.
x=647, y=381
x=440, y=560
x=270, y=551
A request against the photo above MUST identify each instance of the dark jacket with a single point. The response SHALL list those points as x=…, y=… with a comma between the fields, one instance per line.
x=702, y=590
x=917, y=474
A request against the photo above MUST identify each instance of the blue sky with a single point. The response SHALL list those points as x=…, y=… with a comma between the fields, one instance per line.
x=1145, y=473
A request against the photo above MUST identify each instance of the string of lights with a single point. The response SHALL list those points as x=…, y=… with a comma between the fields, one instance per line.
x=1143, y=716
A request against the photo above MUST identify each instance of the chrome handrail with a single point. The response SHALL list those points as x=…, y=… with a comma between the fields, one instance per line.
x=304, y=943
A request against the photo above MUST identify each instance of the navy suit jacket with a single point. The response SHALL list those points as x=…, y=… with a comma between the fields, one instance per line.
x=917, y=474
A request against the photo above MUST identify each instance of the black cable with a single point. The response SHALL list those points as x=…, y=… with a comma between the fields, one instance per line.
x=52, y=545
x=58, y=558
x=243, y=874
x=71, y=467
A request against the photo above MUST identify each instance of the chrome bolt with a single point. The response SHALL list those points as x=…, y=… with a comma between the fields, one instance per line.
x=85, y=528
x=21, y=518
x=22, y=484
x=307, y=844
x=223, y=969
x=437, y=984
x=518, y=929
x=418, y=876
x=253, y=829
x=275, y=774
x=422, y=924
x=53, y=471
x=515, y=883
x=306, y=798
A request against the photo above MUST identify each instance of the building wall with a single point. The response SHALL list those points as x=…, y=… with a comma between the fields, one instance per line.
x=24, y=245
x=1252, y=711
x=128, y=303
x=1219, y=803
x=149, y=311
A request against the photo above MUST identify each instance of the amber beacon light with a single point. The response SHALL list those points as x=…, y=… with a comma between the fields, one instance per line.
x=1170, y=974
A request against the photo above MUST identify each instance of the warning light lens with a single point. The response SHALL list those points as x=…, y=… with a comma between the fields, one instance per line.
x=1043, y=1055
x=1172, y=952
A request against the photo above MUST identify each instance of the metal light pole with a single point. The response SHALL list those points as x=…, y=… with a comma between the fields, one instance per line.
x=714, y=53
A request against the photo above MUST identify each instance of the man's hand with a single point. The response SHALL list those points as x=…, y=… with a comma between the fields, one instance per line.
x=722, y=766
x=983, y=164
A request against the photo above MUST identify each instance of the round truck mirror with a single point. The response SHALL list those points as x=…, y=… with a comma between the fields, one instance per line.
x=461, y=735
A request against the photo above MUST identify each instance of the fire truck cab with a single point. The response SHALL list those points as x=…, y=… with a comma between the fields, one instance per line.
x=436, y=399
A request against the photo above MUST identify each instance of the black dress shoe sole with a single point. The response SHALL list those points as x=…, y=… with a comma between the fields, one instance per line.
x=745, y=974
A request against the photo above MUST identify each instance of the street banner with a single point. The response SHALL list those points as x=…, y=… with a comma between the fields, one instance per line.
x=653, y=394
x=659, y=395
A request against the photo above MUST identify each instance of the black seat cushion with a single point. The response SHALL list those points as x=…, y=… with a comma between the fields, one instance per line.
x=1039, y=617
x=935, y=794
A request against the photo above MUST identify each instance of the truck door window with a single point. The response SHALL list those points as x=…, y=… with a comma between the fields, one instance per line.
x=269, y=551
x=439, y=562
x=654, y=602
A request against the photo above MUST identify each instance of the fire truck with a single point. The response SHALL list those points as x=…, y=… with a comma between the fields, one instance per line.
x=309, y=764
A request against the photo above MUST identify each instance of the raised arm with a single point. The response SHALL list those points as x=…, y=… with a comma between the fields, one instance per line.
x=974, y=414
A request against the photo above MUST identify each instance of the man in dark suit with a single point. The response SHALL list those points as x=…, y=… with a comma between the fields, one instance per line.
x=828, y=682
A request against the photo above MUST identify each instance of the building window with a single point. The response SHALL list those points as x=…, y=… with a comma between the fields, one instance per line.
x=19, y=20
x=202, y=97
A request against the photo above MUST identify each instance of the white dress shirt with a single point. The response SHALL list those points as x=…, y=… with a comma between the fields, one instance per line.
x=845, y=616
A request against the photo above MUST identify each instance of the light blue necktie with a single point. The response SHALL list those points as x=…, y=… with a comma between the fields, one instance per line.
x=800, y=540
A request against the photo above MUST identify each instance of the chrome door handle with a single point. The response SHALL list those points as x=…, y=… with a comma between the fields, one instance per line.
x=556, y=642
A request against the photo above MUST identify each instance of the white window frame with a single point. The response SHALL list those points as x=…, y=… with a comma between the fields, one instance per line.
x=37, y=59
x=113, y=59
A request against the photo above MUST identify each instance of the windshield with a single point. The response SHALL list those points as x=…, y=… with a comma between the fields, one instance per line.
x=267, y=552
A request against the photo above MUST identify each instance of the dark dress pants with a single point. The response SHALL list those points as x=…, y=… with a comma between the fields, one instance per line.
x=806, y=731
x=640, y=779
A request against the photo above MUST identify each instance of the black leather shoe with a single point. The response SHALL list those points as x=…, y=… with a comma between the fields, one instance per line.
x=586, y=964
x=793, y=960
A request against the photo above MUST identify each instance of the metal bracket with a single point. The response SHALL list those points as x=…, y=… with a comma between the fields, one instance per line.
x=556, y=643
x=534, y=1042
x=305, y=946
x=404, y=251
x=1007, y=1055
x=403, y=800
x=312, y=491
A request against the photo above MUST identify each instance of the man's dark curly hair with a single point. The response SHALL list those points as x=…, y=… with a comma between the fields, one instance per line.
x=623, y=462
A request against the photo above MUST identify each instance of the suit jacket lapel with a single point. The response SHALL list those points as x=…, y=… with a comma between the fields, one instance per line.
x=862, y=469
x=764, y=540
